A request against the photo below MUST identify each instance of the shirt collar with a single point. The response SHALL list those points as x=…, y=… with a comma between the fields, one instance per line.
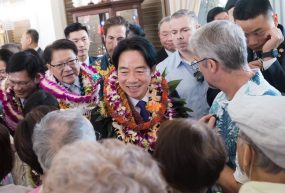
x=86, y=61
x=76, y=83
x=36, y=48
x=180, y=60
x=135, y=101
x=168, y=52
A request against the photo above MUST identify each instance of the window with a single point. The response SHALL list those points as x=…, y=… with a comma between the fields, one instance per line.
x=206, y=5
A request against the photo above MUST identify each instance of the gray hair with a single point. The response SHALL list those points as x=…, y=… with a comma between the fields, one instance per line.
x=163, y=20
x=112, y=166
x=185, y=12
x=261, y=160
x=57, y=129
x=223, y=41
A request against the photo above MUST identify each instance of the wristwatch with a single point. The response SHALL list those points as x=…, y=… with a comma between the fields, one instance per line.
x=272, y=53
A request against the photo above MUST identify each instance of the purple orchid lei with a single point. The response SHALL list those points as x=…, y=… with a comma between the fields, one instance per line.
x=91, y=84
x=143, y=138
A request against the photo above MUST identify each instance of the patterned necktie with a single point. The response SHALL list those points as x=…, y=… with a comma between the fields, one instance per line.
x=144, y=113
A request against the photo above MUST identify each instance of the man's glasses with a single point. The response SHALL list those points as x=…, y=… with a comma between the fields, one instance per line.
x=195, y=66
x=70, y=63
x=197, y=73
x=20, y=84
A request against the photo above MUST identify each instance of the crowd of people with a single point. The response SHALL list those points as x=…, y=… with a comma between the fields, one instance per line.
x=202, y=114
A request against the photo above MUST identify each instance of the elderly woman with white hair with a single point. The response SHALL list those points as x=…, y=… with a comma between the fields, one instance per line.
x=108, y=167
x=261, y=144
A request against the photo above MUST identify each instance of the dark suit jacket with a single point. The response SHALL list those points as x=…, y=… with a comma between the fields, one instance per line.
x=161, y=55
x=40, y=52
x=92, y=60
x=275, y=74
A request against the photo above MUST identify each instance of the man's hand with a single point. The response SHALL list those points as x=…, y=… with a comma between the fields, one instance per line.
x=255, y=64
x=210, y=120
x=275, y=38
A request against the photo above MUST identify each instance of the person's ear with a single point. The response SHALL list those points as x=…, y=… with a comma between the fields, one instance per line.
x=38, y=77
x=275, y=19
x=48, y=66
x=29, y=40
x=247, y=158
x=152, y=70
x=212, y=65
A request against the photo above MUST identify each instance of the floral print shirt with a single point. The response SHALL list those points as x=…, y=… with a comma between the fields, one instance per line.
x=256, y=86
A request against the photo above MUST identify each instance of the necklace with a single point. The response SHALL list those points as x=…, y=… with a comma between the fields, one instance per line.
x=12, y=107
x=124, y=118
x=89, y=86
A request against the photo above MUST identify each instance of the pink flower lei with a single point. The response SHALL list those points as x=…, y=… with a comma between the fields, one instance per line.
x=144, y=138
x=91, y=84
x=12, y=108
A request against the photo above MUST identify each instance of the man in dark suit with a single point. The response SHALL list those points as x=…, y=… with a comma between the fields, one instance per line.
x=78, y=33
x=164, y=33
x=30, y=40
x=265, y=39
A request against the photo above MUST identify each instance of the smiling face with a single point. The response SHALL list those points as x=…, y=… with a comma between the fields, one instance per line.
x=82, y=42
x=68, y=72
x=22, y=84
x=256, y=30
x=134, y=75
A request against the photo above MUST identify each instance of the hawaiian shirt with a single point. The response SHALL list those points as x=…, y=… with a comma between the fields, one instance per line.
x=256, y=86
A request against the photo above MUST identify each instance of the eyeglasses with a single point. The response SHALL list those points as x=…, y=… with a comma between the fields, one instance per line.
x=197, y=62
x=70, y=63
x=197, y=73
x=195, y=66
x=20, y=84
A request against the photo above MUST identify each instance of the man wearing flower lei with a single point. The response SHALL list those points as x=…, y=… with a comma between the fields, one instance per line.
x=24, y=71
x=73, y=84
x=136, y=97
x=115, y=30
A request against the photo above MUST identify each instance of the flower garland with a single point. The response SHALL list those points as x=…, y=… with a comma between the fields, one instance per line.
x=104, y=73
x=124, y=118
x=12, y=108
x=67, y=99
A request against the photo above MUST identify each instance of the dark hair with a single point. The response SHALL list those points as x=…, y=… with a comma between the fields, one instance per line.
x=74, y=27
x=250, y=9
x=213, y=12
x=136, y=30
x=24, y=133
x=230, y=4
x=12, y=47
x=61, y=44
x=190, y=153
x=7, y=155
x=38, y=98
x=135, y=43
x=113, y=21
x=28, y=60
x=34, y=35
x=5, y=55
x=47, y=54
